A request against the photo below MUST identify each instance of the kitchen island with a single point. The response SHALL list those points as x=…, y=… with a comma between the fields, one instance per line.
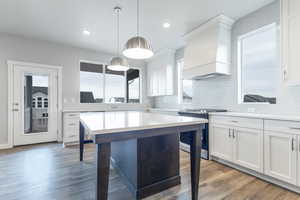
x=144, y=148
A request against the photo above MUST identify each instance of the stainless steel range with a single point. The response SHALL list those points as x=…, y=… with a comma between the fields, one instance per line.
x=185, y=138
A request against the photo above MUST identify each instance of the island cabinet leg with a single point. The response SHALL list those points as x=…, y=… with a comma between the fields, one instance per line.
x=195, y=156
x=103, y=164
x=81, y=141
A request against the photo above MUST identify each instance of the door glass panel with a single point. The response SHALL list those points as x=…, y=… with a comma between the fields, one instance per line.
x=36, y=104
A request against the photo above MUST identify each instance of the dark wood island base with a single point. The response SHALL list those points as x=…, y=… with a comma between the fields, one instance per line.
x=147, y=165
x=147, y=158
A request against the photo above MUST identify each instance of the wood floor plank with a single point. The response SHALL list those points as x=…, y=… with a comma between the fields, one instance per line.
x=50, y=172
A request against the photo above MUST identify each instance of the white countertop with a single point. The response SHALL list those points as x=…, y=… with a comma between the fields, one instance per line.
x=259, y=116
x=113, y=122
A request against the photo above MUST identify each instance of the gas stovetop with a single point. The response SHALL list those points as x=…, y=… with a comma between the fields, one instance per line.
x=202, y=110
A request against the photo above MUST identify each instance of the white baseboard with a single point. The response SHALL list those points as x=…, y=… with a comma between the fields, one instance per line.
x=5, y=146
x=272, y=180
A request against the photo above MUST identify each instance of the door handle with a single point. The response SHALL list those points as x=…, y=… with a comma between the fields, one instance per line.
x=15, y=110
x=293, y=148
x=233, y=134
x=229, y=133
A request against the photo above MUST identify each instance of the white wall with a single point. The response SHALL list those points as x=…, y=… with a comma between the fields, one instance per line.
x=35, y=51
x=222, y=92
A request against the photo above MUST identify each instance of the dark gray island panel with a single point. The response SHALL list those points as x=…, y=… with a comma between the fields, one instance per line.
x=148, y=165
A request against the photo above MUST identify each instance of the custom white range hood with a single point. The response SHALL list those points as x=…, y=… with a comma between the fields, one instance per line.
x=207, y=51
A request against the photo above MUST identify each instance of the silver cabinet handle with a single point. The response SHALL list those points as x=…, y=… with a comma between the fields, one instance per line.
x=15, y=110
x=293, y=148
x=295, y=128
x=233, y=121
x=229, y=133
x=233, y=134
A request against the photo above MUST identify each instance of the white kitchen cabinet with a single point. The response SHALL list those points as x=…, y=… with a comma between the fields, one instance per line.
x=221, y=142
x=298, y=160
x=70, y=128
x=235, y=140
x=290, y=41
x=280, y=156
x=248, y=148
x=160, y=74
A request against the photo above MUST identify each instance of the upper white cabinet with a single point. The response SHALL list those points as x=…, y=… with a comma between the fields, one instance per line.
x=290, y=41
x=160, y=74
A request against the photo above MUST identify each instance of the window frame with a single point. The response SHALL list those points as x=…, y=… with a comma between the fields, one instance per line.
x=104, y=84
x=239, y=60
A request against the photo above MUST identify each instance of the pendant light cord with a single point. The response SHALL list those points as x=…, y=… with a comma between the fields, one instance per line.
x=138, y=17
x=118, y=32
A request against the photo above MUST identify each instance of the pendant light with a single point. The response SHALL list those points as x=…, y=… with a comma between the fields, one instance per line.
x=118, y=63
x=137, y=47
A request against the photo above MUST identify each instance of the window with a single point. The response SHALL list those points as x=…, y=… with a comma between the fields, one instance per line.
x=185, y=87
x=39, y=102
x=98, y=84
x=258, y=66
x=114, y=86
x=45, y=102
x=133, y=86
x=91, y=83
x=33, y=102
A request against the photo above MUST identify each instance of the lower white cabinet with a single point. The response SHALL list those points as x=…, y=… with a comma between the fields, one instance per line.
x=70, y=128
x=242, y=146
x=281, y=156
x=221, y=142
x=271, y=147
x=248, y=148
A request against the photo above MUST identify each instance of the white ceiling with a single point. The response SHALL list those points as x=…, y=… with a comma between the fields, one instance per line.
x=64, y=20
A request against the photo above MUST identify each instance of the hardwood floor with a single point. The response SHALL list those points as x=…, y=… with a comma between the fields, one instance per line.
x=50, y=172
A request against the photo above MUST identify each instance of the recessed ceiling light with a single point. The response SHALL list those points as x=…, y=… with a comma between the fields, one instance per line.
x=166, y=25
x=86, y=32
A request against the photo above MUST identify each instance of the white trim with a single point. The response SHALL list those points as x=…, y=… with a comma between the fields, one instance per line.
x=180, y=83
x=5, y=146
x=10, y=65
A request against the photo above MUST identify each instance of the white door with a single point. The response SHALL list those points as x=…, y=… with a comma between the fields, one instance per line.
x=34, y=105
x=221, y=142
x=248, y=148
x=280, y=156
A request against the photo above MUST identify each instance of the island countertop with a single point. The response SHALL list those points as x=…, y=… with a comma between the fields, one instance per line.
x=149, y=141
x=114, y=122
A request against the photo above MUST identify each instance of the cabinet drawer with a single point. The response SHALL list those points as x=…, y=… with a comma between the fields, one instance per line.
x=71, y=115
x=282, y=126
x=238, y=121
